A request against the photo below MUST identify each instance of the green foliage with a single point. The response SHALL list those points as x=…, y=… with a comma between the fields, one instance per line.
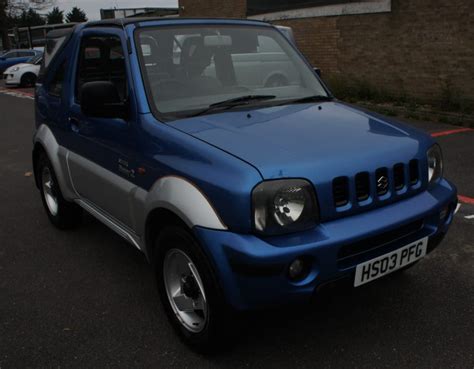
x=55, y=16
x=451, y=99
x=27, y=18
x=354, y=89
x=357, y=90
x=76, y=15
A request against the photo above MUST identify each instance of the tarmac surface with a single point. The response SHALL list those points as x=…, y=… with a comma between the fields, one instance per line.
x=86, y=298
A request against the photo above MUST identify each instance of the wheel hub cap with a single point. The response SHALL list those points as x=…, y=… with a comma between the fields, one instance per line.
x=185, y=290
x=49, y=191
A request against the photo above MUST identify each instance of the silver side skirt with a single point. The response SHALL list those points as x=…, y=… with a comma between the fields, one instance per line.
x=117, y=227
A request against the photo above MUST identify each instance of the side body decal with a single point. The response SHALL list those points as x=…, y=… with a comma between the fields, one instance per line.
x=173, y=193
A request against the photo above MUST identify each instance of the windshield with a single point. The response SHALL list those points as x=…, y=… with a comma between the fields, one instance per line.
x=188, y=69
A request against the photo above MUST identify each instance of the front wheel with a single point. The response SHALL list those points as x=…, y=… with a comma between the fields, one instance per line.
x=27, y=80
x=189, y=290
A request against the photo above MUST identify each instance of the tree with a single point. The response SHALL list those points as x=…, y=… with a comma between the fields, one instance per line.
x=28, y=18
x=14, y=11
x=55, y=16
x=76, y=15
x=4, y=23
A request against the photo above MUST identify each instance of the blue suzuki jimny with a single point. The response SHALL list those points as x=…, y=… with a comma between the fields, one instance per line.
x=214, y=148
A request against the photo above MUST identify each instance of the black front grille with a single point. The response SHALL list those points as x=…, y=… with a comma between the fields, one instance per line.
x=414, y=172
x=349, y=255
x=380, y=185
x=340, y=191
x=362, y=183
x=399, y=176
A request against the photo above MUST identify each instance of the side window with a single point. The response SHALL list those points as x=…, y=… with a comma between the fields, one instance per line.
x=51, y=48
x=91, y=53
x=102, y=59
x=268, y=45
x=56, y=84
x=10, y=55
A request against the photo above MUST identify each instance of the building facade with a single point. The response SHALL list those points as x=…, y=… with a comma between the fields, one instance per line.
x=114, y=13
x=422, y=49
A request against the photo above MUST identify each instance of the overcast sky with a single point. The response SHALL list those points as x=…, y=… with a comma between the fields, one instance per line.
x=92, y=7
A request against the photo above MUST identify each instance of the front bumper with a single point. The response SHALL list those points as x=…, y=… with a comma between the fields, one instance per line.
x=253, y=270
x=11, y=79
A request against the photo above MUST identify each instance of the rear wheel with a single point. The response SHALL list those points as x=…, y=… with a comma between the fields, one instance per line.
x=61, y=213
x=189, y=290
x=28, y=79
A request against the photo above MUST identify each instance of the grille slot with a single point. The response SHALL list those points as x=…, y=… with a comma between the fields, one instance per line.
x=362, y=183
x=374, y=186
x=340, y=191
x=399, y=176
x=414, y=172
x=350, y=254
x=381, y=181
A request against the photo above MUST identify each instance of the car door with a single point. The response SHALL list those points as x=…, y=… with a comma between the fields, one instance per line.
x=9, y=59
x=101, y=159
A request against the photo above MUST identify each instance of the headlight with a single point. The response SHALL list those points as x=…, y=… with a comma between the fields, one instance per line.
x=15, y=69
x=435, y=163
x=284, y=206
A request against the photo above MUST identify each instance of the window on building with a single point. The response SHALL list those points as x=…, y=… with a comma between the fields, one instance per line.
x=284, y=9
x=269, y=6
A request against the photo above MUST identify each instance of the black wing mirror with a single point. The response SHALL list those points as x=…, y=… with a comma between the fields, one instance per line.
x=101, y=99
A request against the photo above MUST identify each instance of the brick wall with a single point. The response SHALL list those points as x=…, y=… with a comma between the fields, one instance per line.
x=213, y=8
x=420, y=49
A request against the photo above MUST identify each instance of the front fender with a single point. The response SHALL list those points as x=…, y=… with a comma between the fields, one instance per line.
x=183, y=198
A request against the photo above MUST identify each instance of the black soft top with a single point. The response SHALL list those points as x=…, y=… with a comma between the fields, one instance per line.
x=121, y=22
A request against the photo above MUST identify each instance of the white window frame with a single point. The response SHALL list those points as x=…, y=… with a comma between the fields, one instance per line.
x=360, y=7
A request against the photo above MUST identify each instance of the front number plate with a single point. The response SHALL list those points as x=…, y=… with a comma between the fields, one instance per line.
x=390, y=262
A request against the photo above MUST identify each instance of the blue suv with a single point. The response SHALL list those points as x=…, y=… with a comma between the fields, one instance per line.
x=241, y=193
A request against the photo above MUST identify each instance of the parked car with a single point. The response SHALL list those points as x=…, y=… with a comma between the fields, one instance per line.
x=23, y=74
x=241, y=195
x=16, y=56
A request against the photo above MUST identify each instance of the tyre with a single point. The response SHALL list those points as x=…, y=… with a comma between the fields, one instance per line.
x=28, y=79
x=63, y=214
x=189, y=290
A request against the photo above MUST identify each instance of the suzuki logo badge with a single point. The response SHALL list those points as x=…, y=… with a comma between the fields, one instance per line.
x=382, y=184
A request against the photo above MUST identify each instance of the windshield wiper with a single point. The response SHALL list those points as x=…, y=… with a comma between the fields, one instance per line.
x=307, y=99
x=236, y=101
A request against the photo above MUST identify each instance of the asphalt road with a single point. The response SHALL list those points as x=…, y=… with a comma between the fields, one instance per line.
x=86, y=298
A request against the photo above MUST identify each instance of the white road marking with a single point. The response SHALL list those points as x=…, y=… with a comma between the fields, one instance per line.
x=457, y=208
x=469, y=216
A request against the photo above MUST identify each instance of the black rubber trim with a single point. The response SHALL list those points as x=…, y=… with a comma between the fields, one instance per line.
x=257, y=270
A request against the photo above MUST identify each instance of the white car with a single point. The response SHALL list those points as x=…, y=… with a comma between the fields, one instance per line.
x=23, y=74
